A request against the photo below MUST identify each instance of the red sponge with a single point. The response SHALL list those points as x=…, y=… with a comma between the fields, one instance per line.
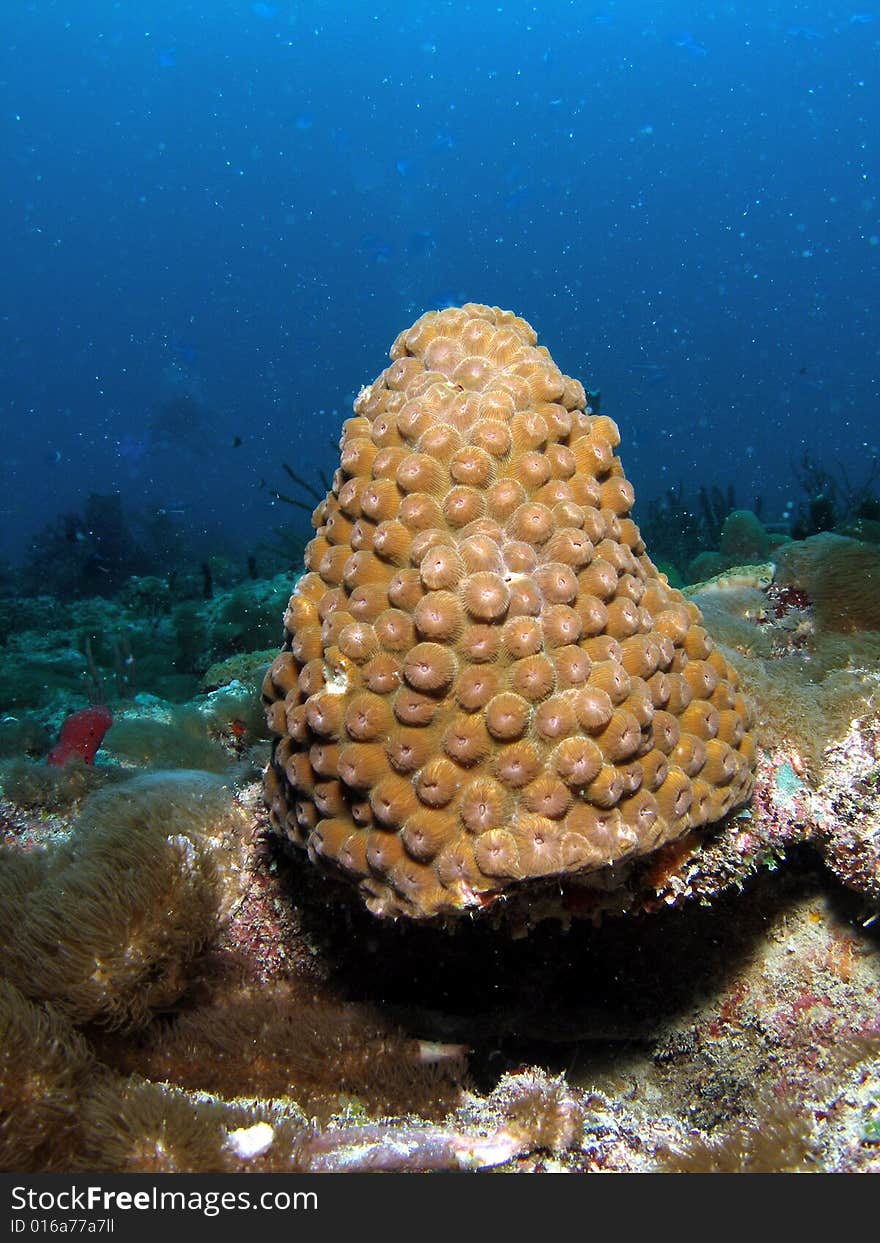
x=81, y=735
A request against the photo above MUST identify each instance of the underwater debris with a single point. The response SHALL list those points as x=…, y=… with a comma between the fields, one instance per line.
x=486, y=683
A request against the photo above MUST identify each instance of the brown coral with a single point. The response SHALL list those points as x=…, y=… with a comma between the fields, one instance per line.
x=496, y=685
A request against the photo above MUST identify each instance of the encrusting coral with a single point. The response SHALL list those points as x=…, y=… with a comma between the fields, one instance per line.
x=485, y=680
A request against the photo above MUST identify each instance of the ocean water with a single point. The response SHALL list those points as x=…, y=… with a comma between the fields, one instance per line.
x=216, y=217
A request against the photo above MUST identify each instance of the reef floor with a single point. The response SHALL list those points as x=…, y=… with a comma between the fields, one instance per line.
x=179, y=994
x=741, y=1034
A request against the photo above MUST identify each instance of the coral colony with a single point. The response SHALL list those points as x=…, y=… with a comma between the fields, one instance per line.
x=486, y=682
x=513, y=754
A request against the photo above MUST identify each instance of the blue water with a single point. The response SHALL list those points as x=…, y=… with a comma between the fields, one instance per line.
x=216, y=216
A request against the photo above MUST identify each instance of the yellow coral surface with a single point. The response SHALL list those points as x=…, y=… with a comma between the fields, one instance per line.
x=485, y=680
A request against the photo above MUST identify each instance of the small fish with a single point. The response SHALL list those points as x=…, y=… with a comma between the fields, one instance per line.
x=376, y=248
x=185, y=351
x=422, y=244
x=72, y=532
x=237, y=442
x=445, y=298
x=651, y=373
x=689, y=44
x=516, y=198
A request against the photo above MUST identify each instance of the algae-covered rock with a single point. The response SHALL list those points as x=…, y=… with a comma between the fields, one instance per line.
x=248, y=617
x=34, y=675
x=841, y=577
x=248, y=668
x=804, y=635
x=743, y=537
x=156, y=734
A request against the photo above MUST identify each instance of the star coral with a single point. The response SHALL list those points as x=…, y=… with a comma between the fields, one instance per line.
x=486, y=684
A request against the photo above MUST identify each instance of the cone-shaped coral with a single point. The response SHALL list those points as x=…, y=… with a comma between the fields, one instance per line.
x=492, y=634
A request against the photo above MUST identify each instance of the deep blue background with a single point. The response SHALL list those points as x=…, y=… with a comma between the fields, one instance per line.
x=245, y=202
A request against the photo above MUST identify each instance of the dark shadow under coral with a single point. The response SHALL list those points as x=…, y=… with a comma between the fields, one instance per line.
x=556, y=996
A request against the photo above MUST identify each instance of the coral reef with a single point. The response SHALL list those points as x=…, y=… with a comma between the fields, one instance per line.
x=331, y=1055
x=833, y=501
x=695, y=538
x=93, y=553
x=143, y=906
x=288, y=541
x=485, y=680
x=743, y=538
x=169, y=736
x=45, y=1069
x=40, y=787
x=180, y=993
x=149, y=640
x=193, y=1000
x=681, y=528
